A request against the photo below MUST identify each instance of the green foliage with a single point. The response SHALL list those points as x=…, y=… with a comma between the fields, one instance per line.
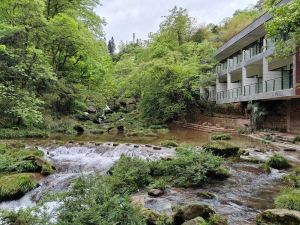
x=10, y=133
x=284, y=28
x=17, y=159
x=129, y=175
x=278, y=162
x=15, y=186
x=169, y=144
x=289, y=199
x=221, y=137
x=189, y=168
x=257, y=114
x=221, y=148
x=296, y=139
x=93, y=199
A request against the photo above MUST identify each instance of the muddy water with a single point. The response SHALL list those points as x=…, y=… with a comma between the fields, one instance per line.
x=247, y=192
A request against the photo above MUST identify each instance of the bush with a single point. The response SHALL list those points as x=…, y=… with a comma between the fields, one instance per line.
x=289, y=199
x=129, y=175
x=293, y=180
x=220, y=137
x=190, y=168
x=15, y=186
x=20, y=160
x=23, y=133
x=94, y=199
x=169, y=144
x=278, y=162
x=296, y=139
x=221, y=148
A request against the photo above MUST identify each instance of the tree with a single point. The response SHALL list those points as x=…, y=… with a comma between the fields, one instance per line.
x=111, y=46
x=284, y=28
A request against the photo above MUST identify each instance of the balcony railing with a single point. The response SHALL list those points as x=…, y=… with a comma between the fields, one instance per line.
x=277, y=84
x=252, y=89
x=281, y=83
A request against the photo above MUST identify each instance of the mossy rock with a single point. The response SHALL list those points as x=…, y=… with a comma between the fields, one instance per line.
x=206, y=195
x=192, y=211
x=221, y=148
x=196, y=221
x=15, y=186
x=169, y=144
x=221, y=137
x=155, y=218
x=278, y=217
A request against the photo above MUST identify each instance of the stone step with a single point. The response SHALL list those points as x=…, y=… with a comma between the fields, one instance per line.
x=209, y=129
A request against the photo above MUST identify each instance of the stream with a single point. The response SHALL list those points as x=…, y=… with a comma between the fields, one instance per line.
x=247, y=192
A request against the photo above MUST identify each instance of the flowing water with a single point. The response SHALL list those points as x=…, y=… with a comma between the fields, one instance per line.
x=247, y=192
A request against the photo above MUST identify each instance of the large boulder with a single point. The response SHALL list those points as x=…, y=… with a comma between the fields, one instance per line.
x=196, y=221
x=192, y=211
x=278, y=217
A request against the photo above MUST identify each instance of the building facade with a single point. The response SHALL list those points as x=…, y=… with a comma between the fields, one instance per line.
x=247, y=72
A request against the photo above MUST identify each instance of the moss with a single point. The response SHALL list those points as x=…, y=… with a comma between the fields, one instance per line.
x=47, y=169
x=221, y=148
x=15, y=186
x=217, y=220
x=278, y=162
x=220, y=137
x=169, y=144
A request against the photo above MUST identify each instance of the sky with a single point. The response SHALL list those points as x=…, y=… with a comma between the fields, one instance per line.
x=125, y=17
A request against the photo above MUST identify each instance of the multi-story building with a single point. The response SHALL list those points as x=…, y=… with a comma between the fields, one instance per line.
x=247, y=72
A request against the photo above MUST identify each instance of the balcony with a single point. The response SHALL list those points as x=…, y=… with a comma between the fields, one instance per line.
x=270, y=89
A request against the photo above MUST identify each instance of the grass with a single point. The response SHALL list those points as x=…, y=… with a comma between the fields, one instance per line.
x=289, y=199
x=278, y=162
x=169, y=144
x=15, y=186
x=21, y=160
x=221, y=137
x=221, y=148
x=22, y=133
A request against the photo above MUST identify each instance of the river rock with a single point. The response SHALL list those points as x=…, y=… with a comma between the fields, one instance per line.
x=155, y=218
x=192, y=211
x=196, y=221
x=156, y=192
x=206, y=195
x=278, y=217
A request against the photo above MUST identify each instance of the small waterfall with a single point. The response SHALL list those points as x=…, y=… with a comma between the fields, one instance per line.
x=75, y=160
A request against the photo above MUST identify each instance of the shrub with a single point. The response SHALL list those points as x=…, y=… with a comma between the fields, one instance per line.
x=221, y=137
x=289, y=199
x=24, y=133
x=15, y=186
x=129, y=175
x=296, y=139
x=278, y=162
x=94, y=199
x=221, y=148
x=293, y=180
x=169, y=144
x=268, y=137
x=190, y=168
x=160, y=184
x=244, y=130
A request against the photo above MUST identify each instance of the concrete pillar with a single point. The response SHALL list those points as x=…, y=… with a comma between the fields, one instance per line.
x=296, y=71
x=270, y=75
